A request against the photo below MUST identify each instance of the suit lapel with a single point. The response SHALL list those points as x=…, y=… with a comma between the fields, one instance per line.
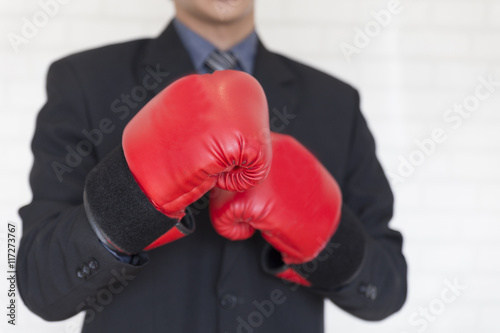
x=281, y=88
x=165, y=53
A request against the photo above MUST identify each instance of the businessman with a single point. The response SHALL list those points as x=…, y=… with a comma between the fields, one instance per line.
x=125, y=226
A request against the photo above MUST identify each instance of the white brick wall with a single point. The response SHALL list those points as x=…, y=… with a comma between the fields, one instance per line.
x=428, y=58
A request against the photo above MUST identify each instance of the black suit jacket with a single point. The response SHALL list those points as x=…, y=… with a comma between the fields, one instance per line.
x=203, y=282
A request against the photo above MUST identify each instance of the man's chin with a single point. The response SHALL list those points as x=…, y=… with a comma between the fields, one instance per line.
x=227, y=10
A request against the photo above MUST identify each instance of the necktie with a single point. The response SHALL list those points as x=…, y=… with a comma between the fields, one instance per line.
x=220, y=60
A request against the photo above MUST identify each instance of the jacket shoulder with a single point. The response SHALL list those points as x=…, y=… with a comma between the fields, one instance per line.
x=104, y=59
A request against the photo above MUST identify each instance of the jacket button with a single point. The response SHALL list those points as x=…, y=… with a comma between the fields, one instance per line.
x=85, y=269
x=228, y=301
x=80, y=274
x=368, y=290
x=93, y=264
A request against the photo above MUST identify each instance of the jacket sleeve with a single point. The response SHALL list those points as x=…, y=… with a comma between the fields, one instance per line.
x=362, y=269
x=62, y=265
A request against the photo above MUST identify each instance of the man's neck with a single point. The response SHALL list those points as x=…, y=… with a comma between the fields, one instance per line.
x=223, y=35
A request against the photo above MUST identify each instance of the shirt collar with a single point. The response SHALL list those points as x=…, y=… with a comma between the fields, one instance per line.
x=245, y=52
x=199, y=48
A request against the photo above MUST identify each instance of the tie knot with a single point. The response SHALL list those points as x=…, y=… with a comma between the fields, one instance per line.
x=220, y=60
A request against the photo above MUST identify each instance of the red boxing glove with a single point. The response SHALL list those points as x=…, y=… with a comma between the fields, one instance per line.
x=201, y=131
x=297, y=207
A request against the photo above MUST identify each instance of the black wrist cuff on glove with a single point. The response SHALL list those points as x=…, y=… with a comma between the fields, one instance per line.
x=117, y=209
x=336, y=265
